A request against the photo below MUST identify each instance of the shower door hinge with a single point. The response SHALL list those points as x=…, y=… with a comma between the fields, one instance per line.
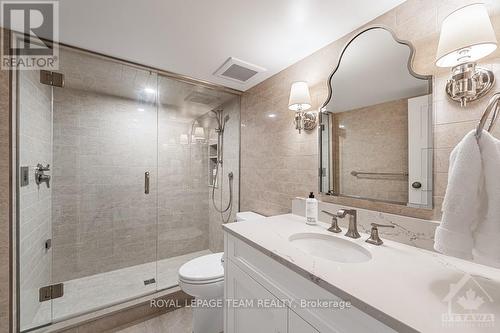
x=52, y=78
x=51, y=292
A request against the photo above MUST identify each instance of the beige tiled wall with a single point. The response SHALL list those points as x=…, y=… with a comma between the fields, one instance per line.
x=278, y=164
x=182, y=189
x=4, y=202
x=374, y=139
x=102, y=220
x=104, y=142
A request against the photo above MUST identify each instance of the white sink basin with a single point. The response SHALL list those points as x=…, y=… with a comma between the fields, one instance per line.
x=330, y=247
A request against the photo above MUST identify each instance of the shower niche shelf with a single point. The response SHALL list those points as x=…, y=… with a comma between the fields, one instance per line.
x=213, y=152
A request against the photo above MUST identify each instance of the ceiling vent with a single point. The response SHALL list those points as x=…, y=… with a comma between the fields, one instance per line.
x=201, y=98
x=238, y=70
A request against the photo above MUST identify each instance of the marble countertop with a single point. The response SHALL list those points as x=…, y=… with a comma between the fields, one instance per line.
x=407, y=288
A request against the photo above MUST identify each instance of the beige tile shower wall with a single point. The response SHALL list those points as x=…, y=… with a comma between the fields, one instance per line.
x=35, y=133
x=278, y=164
x=102, y=219
x=4, y=201
x=182, y=189
x=374, y=139
x=231, y=163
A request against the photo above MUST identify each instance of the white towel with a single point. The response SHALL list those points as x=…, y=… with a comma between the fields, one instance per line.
x=470, y=227
x=461, y=206
x=487, y=234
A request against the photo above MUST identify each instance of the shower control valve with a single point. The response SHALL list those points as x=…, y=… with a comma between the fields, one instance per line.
x=40, y=176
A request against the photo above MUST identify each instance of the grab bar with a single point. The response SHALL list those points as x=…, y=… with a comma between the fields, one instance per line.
x=383, y=174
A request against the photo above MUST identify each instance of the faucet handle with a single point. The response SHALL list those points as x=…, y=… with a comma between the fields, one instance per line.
x=335, y=225
x=377, y=225
x=374, y=237
x=328, y=213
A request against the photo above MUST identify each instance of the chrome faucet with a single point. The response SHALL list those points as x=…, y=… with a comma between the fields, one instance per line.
x=352, y=231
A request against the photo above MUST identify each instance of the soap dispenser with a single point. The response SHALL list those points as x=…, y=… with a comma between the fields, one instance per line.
x=311, y=210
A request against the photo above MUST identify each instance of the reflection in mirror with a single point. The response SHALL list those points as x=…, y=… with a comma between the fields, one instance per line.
x=376, y=138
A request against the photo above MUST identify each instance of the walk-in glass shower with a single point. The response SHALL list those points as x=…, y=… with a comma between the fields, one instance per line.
x=115, y=177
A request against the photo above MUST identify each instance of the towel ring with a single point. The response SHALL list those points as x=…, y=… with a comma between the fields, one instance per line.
x=493, y=105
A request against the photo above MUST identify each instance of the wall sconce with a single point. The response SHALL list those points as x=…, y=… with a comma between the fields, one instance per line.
x=467, y=36
x=300, y=101
x=199, y=133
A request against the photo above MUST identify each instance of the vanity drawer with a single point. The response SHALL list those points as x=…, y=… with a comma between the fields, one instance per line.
x=284, y=283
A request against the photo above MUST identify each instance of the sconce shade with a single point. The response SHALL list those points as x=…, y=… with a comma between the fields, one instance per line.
x=199, y=133
x=300, y=99
x=467, y=29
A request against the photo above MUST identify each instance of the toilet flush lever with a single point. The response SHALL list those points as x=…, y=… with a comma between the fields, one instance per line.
x=374, y=238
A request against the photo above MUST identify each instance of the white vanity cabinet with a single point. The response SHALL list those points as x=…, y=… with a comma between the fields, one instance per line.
x=251, y=319
x=252, y=276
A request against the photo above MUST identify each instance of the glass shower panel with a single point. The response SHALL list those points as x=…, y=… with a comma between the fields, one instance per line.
x=34, y=131
x=187, y=152
x=104, y=183
x=182, y=182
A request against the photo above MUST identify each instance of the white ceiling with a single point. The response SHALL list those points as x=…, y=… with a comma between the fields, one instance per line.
x=194, y=37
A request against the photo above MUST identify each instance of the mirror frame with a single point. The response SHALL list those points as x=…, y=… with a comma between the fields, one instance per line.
x=409, y=65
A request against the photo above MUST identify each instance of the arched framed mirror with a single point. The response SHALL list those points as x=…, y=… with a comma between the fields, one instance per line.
x=376, y=125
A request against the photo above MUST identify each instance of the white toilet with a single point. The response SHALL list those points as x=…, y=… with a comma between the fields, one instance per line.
x=203, y=278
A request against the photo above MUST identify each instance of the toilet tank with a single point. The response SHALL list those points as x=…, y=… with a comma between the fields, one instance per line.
x=247, y=216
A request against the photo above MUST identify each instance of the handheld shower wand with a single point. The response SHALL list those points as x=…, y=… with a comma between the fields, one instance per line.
x=220, y=160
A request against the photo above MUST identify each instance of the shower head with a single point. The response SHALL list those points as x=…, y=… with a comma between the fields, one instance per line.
x=217, y=114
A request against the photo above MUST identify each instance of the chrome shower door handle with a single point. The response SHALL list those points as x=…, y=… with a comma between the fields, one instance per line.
x=146, y=182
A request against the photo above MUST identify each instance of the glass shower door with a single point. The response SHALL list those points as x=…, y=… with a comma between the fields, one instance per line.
x=87, y=234
x=104, y=189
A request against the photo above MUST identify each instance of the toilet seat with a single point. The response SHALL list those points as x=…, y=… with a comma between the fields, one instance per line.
x=203, y=270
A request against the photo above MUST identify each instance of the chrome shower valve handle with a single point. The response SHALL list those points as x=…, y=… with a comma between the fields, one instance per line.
x=40, y=176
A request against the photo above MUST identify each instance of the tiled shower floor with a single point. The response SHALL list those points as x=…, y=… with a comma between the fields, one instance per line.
x=97, y=291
